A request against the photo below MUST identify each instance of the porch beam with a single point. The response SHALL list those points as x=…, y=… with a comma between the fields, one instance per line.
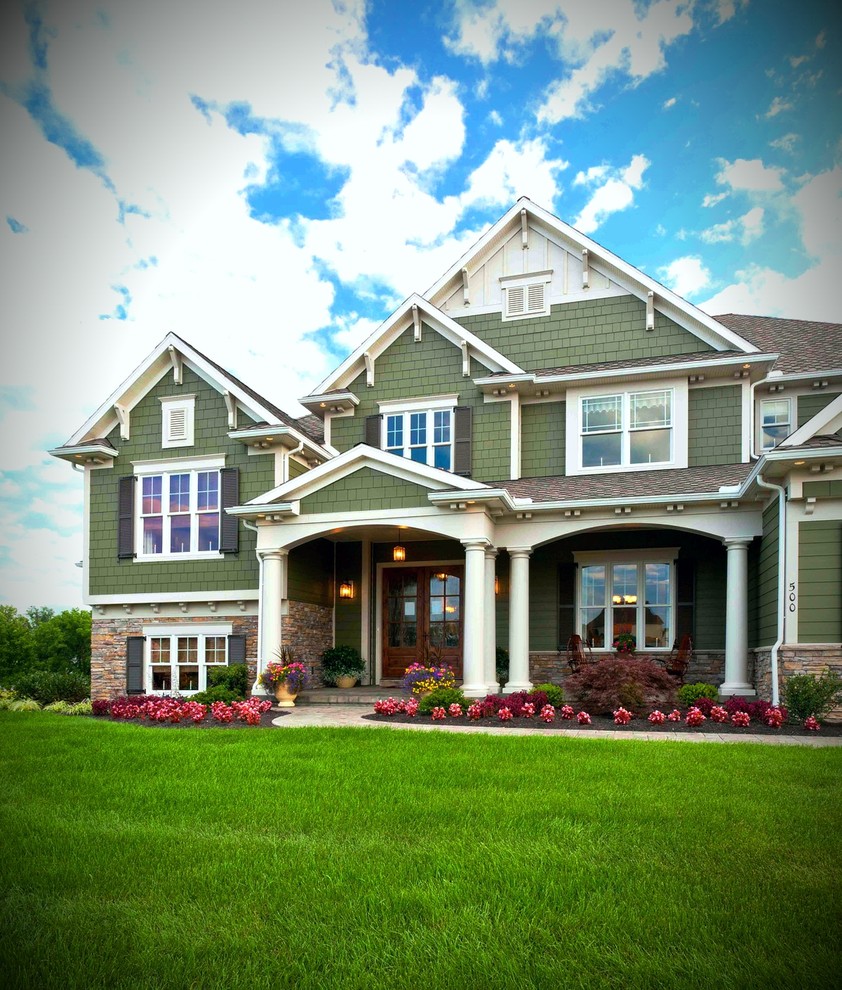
x=519, y=621
x=736, y=620
x=473, y=667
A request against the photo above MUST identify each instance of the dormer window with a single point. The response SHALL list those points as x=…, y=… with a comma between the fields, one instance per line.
x=526, y=295
x=177, y=420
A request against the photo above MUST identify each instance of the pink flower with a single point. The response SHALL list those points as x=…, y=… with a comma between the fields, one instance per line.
x=455, y=710
x=528, y=710
x=221, y=712
x=774, y=718
x=622, y=716
x=387, y=707
x=812, y=723
x=695, y=718
x=411, y=707
x=566, y=712
x=504, y=714
x=583, y=718
x=547, y=713
x=741, y=719
x=439, y=714
x=719, y=714
x=475, y=711
x=674, y=715
x=657, y=718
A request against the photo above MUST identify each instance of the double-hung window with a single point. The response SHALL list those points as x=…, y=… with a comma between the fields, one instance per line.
x=423, y=435
x=177, y=662
x=179, y=512
x=627, y=428
x=775, y=421
x=635, y=597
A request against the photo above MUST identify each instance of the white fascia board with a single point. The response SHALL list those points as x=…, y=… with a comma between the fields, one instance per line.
x=611, y=373
x=334, y=396
x=489, y=495
x=258, y=432
x=395, y=325
x=684, y=313
x=810, y=453
x=803, y=376
x=74, y=452
x=358, y=457
x=173, y=596
x=816, y=424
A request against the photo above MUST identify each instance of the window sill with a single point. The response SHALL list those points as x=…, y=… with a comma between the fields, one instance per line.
x=205, y=555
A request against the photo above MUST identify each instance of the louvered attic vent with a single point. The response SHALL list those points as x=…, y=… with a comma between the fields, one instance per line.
x=177, y=421
x=177, y=425
x=526, y=300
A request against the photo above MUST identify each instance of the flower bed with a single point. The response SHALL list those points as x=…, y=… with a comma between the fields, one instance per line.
x=525, y=711
x=183, y=713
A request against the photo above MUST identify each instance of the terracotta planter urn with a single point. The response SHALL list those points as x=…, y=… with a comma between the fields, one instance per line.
x=346, y=681
x=284, y=697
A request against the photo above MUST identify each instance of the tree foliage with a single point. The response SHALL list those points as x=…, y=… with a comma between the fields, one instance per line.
x=44, y=640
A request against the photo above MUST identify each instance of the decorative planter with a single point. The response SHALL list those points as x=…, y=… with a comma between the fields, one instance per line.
x=285, y=697
x=346, y=681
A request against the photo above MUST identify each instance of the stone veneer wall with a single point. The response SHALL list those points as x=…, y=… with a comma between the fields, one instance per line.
x=708, y=667
x=798, y=658
x=308, y=631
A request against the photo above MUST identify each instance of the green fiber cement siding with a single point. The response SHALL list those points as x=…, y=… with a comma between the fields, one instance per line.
x=820, y=581
x=366, y=490
x=823, y=489
x=809, y=405
x=763, y=587
x=715, y=426
x=542, y=428
x=311, y=573
x=295, y=469
x=410, y=369
x=610, y=329
x=231, y=572
x=348, y=612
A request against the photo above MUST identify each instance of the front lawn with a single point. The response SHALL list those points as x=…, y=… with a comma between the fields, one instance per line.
x=326, y=858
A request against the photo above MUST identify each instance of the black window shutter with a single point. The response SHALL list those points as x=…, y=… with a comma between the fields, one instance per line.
x=566, y=603
x=134, y=664
x=685, y=599
x=229, y=526
x=462, y=435
x=125, y=517
x=372, y=429
x=236, y=649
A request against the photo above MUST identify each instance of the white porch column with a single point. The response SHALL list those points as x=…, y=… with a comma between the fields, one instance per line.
x=272, y=590
x=519, y=621
x=490, y=644
x=473, y=669
x=736, y=620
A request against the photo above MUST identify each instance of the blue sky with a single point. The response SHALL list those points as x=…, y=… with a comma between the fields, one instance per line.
x=270, y=181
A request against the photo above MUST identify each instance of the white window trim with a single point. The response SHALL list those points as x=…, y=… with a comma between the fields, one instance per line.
x=175, y=403
x=428, y=407
x=659, y=555
x=418, y=405
x=187, y=465
x=174, y=632
x=573, y=415
x=759, y=417
x=524, y=282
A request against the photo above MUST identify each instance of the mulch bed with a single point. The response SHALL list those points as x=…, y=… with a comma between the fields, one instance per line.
x=606, y=723
x=266, y=720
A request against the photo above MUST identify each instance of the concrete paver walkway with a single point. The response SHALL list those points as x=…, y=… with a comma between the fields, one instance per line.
x=343, y=716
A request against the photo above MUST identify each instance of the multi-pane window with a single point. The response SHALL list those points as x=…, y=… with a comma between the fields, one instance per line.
x=629, y=597
x=179, y=664
x=425, y=436
x=179, y=513
x=629, y=428
x=776, y=421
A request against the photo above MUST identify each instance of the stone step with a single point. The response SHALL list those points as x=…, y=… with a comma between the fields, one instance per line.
x=365, y=695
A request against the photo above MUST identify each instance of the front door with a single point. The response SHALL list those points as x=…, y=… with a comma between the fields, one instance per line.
x=422, y=617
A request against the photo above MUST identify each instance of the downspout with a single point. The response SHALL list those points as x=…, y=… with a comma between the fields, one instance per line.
x=773, y=656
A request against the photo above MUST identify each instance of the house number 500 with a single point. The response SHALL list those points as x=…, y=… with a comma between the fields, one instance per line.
x=792, y=596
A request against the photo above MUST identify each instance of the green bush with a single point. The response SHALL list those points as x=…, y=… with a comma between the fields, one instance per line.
x=555, y=695
x=689, y=693
x=341, y=660
x=806, y=694
x=65, y=708
x=24, y=705
x=216, y=693
x=58, y=707
x=502, y=664
x=234, y=678
x=47, y=686
x=441, y=698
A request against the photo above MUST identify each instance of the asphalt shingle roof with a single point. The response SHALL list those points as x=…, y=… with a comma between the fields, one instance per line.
x=693, y=358
x=803, y=345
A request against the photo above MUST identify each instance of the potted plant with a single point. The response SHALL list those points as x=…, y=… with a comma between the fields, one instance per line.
x=342, y=666
x=285, y=677
x=624, y=644
x=422, y=678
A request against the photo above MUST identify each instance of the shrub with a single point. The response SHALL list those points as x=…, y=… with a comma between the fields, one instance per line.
x=774, y=718
x=101, y=706
x=555, y=695
x=527, y=710
x=217, y=693
x=454, y=710
x=440, y=698
x=234, y=678
x=583, y=718
x=567, y=712
x=628, y=683
x=689, y=694
x=58, y=707
x=24, y=705
x=705, y=705
x=341, y=660
x=657, y=718
x=6, y=699
x=674, y=715
x=622, y=717
x=741, y=719
x=811, y=723
x=501, y=661
x=81, y=708
x=504, y=714
x=547, y=713
x=47, y=686
x=438, y=713
x=755, y=709
x=717, y=713
x=806, y=694
x=475, y=711
x=694, y=718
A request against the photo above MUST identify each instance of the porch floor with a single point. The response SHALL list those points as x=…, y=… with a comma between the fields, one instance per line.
x=361, y=695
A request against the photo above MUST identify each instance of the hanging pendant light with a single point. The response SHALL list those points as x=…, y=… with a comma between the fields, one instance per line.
x=399, y=551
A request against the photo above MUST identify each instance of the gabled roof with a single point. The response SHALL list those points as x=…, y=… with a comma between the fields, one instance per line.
x=823, y=425
x=157, y=363
x=685, y=314
x=395, y=325
x=803, y=345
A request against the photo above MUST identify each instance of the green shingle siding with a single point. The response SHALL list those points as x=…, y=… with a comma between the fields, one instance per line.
x=348, y=613
x=296, y=469
x=809, y=405
x=763, y=581
x=820, y=581
x=233, y=572
x=610, y=329
x=311, y=573
x=542, y=430
x=715, y=426
x=411, y=369
x=366, y=490
x=823, y=489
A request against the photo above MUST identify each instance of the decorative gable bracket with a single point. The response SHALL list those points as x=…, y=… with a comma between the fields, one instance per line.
x=231, y=406
x=466, y=359
x=177, y=364
x=416, y=323
x=123, y=416
x=369, y=369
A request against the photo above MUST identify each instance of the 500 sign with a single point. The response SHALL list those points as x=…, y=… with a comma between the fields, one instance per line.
x=792, y=597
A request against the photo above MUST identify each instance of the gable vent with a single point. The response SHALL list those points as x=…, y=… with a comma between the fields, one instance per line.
x=177, y=424
x=528, y=299
x=514, y=300
x=535, y=298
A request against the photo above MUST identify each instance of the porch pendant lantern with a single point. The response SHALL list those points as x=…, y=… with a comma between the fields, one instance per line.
x=398, y=551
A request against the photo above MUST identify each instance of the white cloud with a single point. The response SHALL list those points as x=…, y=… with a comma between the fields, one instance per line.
x=495, y=118
x=513, y=170
x=746, y=228
x=750, y=175
x=614, y=194
x=669, y=104
x=686, y=276
x=778, y=105
x=712, y=200
x=726, y=9
x=786, y=142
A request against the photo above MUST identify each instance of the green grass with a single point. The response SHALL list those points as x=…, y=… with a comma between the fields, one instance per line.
x=320, y=858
